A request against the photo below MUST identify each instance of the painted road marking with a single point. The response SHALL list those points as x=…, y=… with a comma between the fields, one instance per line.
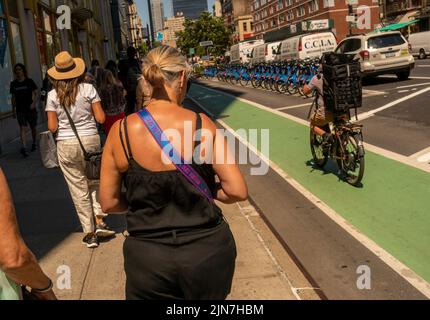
x=294, y=107
x=418, y=78
x=371, y=113
x=386, y=153
x=371, y=93
x=424, y=158
x=423, y=66
x=404, y=271
x=414, y=85
x=403, y=91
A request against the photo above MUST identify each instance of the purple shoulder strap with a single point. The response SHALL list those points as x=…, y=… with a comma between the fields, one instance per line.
x=187, y=170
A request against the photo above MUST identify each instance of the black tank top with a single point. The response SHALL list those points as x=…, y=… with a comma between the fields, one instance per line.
x=164, y=202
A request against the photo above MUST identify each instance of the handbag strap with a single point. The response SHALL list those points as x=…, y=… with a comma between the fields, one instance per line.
x=185, y=169
x=72, y=124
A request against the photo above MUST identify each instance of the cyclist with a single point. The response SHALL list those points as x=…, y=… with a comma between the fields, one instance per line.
x=321, y=118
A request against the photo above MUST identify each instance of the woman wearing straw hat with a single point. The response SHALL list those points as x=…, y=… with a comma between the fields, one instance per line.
x=82, y=102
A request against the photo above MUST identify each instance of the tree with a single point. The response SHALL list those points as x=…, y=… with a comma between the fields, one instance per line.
x=144, y=49
x=206, y=28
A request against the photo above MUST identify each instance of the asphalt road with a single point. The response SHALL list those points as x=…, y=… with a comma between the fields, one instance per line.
x=403, y=128
x=389, y=208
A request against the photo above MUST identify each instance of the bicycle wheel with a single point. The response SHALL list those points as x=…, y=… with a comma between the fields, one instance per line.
x=319, y=156
x=353, y=160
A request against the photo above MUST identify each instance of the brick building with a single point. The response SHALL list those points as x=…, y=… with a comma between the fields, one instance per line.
x=276, y=19
x=238, y=17
x=171, y=27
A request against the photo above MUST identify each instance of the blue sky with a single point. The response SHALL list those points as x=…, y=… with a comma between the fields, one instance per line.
x=142, y=7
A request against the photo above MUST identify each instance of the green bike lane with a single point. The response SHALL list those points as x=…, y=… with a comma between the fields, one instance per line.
x=392, y=206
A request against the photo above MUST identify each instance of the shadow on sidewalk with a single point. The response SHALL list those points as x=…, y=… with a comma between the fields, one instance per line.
x=45, y=211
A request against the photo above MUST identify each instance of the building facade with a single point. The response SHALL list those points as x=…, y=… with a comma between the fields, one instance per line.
x=406, y=10
x=217, y=9
x=157, y=11
x=238, y=17
x=190, y=9
x=286, y=17
x=171, y=27
x=134, y=25
x=29, y=34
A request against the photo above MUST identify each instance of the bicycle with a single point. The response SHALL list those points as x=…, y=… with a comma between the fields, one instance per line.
x=347, y=149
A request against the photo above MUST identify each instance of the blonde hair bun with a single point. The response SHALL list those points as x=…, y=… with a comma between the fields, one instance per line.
x=163, y=65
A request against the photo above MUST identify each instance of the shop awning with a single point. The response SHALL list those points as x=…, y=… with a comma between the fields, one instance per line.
x=397, y=26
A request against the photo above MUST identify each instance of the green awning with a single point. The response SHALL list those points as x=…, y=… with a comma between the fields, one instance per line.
x=397, y=26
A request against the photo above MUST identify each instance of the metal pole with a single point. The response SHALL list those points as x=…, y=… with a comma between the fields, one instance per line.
x=151, y=23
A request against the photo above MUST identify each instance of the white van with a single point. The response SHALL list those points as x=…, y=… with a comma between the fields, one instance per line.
x=258, y=54
x=241, y=52
x=420, y=43
x=311, y=45
x=273, y=51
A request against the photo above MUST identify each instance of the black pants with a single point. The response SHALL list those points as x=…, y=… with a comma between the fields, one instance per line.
x=191, y=267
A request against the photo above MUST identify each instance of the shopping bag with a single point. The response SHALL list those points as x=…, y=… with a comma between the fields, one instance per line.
x=9, y=290
x=48, y=150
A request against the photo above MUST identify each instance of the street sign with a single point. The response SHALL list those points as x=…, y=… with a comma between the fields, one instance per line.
x=160, y=36
x=206, y=43
x=192, y=51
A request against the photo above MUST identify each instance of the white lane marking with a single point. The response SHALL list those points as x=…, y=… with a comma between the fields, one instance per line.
x=269, y=252
x=423, y=66
x=405, y=272
x=418, y=78
x=403, y=91
x=420, y=153
x=371, y=113
x=424, y=158
x=386, y=153
x=370, y=93
x=294, y=107
x=414, y=85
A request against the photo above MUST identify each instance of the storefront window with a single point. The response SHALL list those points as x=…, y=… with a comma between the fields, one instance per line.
x=16, y=37
x=1, y=7
x=6, y=67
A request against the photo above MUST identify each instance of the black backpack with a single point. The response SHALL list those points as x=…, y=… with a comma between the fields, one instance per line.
x=342, y=87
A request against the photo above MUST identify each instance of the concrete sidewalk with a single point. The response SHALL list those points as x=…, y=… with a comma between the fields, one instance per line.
x=51, y=229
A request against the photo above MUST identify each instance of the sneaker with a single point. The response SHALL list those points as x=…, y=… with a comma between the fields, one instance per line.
x=91, y=241
x=33, y=147
x=103, y=231
x=24, y=152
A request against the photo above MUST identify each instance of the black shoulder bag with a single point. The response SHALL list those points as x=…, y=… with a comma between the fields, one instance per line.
x=93, y=160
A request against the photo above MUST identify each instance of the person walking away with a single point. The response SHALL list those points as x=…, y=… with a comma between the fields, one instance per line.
x=113, y=100
x=130, y=72
x=17, y=262
x=83, y=104
x=112, y=67
x=24, y=98
x=177, y=233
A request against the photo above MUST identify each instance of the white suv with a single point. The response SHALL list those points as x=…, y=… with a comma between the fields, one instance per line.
x=380, y=53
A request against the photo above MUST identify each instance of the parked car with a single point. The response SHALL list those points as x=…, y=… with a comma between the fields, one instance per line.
x=380, y=53
x=420, y=43
x=307, y=46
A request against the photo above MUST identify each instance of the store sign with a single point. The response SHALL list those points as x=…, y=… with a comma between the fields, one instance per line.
x=293, y=28
x=318, y=24
x=3, y=41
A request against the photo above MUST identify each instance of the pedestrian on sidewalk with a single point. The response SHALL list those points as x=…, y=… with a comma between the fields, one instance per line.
x=83, y=104
x=129, y=74
x=16, y=260
x=179, y=247
x=112, y=95
x=24, y=98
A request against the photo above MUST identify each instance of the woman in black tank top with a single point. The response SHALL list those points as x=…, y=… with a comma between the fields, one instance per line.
x=180, y=246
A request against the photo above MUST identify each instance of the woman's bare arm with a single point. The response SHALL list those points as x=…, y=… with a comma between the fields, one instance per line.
x=52, y=121
x=233, y=186
x=98, y=112
x=16, y=260
x=111, y=199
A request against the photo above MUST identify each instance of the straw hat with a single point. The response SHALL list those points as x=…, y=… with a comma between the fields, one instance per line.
x=66, y=67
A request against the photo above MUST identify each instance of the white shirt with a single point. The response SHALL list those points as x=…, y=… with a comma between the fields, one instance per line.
x=81, y=113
